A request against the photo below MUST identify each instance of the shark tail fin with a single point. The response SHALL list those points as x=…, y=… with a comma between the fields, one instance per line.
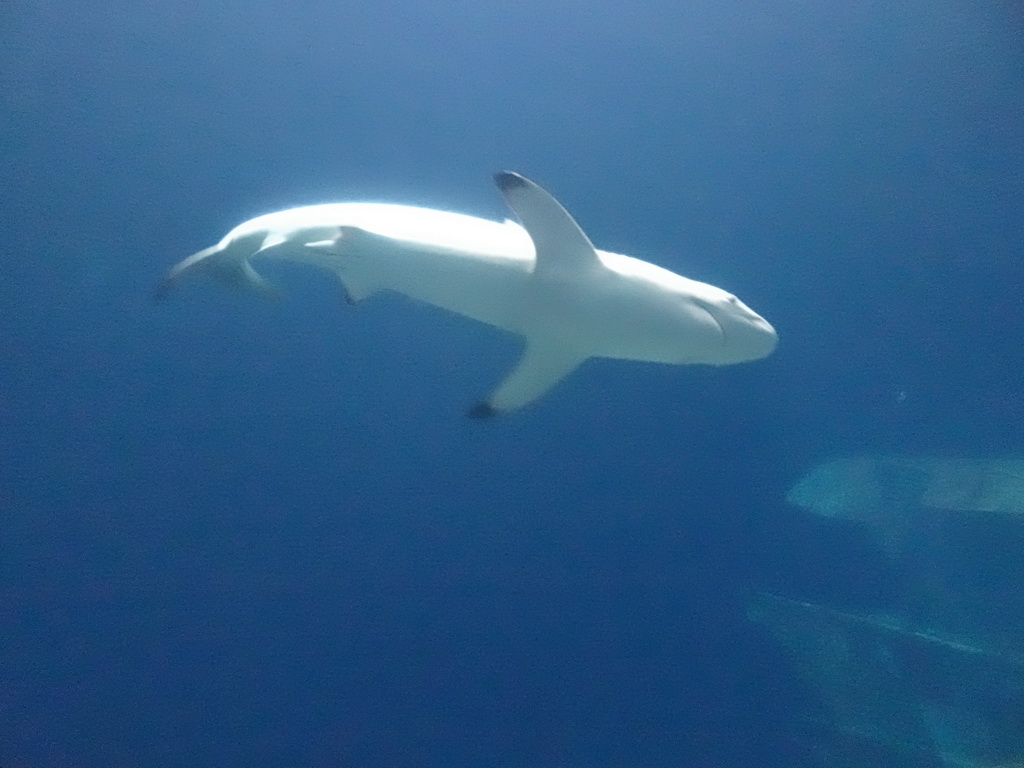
x=228, y=269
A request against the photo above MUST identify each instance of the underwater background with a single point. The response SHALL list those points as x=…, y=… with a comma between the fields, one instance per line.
x=237, y=533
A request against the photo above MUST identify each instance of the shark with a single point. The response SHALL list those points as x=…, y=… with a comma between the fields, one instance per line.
x=538, y=277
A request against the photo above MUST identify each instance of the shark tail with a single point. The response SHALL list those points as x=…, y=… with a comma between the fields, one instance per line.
x=228, y=269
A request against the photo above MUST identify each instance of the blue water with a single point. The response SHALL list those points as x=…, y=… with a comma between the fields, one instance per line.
x=242, y=534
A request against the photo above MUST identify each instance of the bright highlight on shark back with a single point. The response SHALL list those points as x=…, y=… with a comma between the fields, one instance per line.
x=541, y=279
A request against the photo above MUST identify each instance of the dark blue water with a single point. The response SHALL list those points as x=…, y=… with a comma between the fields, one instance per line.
x=241, y=534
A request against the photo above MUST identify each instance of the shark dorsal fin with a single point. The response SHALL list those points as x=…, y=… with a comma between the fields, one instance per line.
x=559, y=242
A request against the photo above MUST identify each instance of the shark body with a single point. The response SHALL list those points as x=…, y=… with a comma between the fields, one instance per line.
x=541, y=279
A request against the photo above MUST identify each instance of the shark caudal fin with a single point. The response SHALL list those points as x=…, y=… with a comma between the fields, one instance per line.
x=228, y=269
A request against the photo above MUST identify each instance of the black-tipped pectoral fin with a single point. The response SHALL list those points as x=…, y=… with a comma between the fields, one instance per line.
x=542, y=366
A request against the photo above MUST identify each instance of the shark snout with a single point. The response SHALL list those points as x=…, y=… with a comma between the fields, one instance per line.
x=745, y=334
x=765, y=338
x=750, y=338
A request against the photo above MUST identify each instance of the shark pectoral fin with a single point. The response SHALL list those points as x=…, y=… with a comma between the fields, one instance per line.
x=559, y=242
x=542, y=365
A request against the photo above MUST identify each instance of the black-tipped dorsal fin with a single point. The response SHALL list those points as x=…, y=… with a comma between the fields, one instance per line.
x=559, y=242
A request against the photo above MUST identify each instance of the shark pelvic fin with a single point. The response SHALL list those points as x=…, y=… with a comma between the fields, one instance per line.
x=345, y=245
x=271, y=241
x=560, y=244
